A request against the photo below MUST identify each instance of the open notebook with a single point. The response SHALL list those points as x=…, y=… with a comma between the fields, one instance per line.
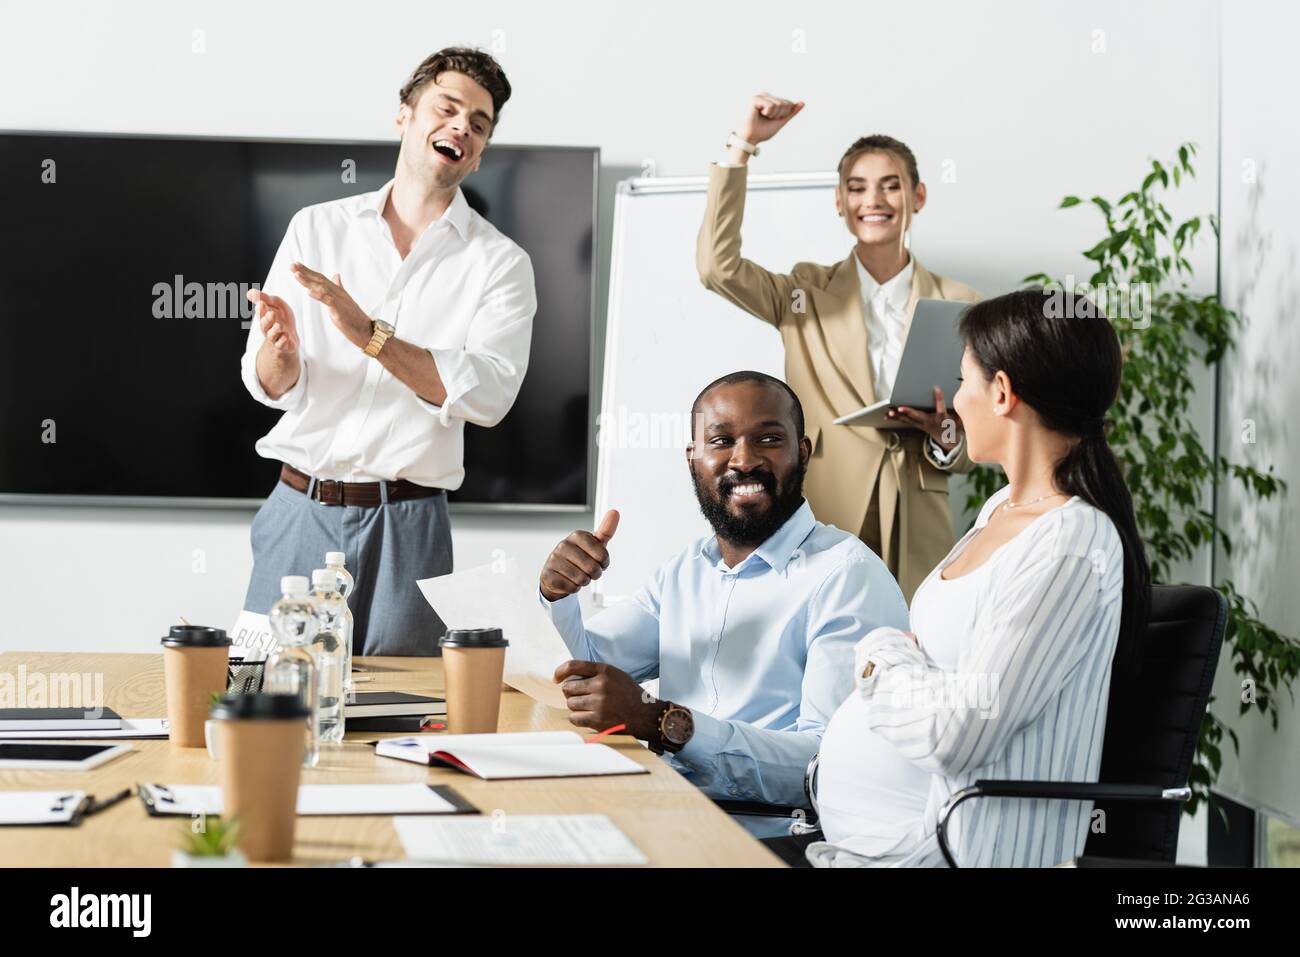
x=521, y=754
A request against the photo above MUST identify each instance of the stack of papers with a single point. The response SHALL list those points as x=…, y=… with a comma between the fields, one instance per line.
x=589, y=839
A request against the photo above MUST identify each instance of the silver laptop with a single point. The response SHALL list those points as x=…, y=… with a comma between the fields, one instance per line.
x=931, y=357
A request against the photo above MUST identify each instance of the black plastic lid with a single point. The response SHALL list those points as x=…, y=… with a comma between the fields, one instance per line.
x=259, y=707
x=473, y=638
x=196, y=636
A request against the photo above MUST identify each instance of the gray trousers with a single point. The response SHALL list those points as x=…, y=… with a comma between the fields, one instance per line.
x=387, y=549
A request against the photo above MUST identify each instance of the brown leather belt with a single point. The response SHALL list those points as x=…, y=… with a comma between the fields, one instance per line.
x=360, y=494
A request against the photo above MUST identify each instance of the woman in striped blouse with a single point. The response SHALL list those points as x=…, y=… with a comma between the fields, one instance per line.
x=1021, y=634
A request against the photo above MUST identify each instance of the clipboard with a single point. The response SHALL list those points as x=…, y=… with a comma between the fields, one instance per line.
x=177, y=800
x=44, y=808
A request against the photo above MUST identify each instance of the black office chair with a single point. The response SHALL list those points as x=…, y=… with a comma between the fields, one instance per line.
x=1150, y=737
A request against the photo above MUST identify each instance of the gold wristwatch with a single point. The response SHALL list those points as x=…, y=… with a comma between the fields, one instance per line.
x=380, y=332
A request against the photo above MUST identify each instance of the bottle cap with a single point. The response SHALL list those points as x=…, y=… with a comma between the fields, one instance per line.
x=323, y=576
x=294, y=585
x=334, y=558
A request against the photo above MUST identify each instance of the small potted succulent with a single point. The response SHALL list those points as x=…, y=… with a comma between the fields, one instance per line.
x=212, y=844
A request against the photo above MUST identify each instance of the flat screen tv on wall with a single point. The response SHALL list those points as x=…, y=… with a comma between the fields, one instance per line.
x=102, y=401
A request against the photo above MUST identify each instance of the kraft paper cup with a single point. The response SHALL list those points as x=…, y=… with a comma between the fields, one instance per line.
x=473, y=660
x=260, y=739
x=195, y=663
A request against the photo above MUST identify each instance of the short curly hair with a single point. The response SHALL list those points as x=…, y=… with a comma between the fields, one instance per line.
x=480, y=67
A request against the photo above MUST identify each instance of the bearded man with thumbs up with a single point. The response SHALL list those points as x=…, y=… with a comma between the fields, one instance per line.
x=750, y=631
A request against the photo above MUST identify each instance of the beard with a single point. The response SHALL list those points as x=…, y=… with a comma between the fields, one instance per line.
x=751, y=527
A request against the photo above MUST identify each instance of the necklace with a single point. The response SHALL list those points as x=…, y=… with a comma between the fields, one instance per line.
x=1008, y=504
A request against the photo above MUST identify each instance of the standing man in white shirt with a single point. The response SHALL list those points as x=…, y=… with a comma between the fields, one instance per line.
x=843, y=327
x=387, y=321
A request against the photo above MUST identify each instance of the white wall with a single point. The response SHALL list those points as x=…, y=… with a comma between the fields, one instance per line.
x=1260, y=389
x=1008, y=106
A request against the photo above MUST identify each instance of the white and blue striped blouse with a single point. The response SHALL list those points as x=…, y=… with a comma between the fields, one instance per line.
x=1008, y=679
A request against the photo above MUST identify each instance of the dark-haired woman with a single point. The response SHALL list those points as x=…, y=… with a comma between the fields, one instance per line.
x=1021, y=634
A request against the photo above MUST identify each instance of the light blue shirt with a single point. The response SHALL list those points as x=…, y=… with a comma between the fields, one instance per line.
x=761, y=653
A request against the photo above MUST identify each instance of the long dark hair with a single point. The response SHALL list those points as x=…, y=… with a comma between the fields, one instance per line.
x=1064, y=360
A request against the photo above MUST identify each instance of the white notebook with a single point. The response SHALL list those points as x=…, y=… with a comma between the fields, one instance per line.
x=58, y=719
x=536, y=839
x=314, y=799
x=131, y=728
x=520, y=754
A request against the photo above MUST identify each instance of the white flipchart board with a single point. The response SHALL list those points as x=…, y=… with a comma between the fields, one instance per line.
x=667, y=337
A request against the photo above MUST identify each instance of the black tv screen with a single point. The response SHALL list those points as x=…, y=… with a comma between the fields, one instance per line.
x=100, y=398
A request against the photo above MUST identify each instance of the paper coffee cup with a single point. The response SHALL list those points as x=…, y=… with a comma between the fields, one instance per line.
x=260, y=739
x=473, y=660
x=195, y=662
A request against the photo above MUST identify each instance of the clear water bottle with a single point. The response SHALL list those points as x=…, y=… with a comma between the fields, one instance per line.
x=344, y=583
x=328, y=649
x=291, y=668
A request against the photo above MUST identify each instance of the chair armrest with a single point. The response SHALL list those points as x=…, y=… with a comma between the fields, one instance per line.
x=802, y=820
x=1054, y=790
x=758, y=809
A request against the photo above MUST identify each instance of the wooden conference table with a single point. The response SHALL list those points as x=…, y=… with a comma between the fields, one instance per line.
x=664, y=815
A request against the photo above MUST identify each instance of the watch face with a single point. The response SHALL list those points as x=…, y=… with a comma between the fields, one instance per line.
x=678, y=726
x=380, y=324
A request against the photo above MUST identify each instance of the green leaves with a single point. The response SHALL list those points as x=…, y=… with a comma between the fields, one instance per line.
x=216, y=838
x=1169, y=472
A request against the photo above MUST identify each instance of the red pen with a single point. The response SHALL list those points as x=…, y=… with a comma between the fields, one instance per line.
x=614, y=730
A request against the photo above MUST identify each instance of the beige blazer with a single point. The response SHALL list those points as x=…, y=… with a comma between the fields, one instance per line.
x=818, y=311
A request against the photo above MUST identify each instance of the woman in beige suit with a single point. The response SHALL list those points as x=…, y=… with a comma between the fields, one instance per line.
x=843, y=327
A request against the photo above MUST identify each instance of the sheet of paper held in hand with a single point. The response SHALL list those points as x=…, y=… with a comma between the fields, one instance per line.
x=496, y=595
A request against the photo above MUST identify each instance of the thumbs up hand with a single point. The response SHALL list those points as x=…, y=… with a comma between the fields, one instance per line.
x=578, y=560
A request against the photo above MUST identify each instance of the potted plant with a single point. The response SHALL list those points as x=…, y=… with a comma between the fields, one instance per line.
x=209, y=842
x=1150, y=428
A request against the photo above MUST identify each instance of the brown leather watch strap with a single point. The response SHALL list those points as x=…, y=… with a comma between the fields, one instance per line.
x=662, y=744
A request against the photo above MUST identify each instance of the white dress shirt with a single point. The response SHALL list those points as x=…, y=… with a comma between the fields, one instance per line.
x=1008, y=679
x=761, y=653
x=464, y=292
x=884, y=309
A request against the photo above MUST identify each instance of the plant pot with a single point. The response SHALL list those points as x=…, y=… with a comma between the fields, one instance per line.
x=186, y=859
